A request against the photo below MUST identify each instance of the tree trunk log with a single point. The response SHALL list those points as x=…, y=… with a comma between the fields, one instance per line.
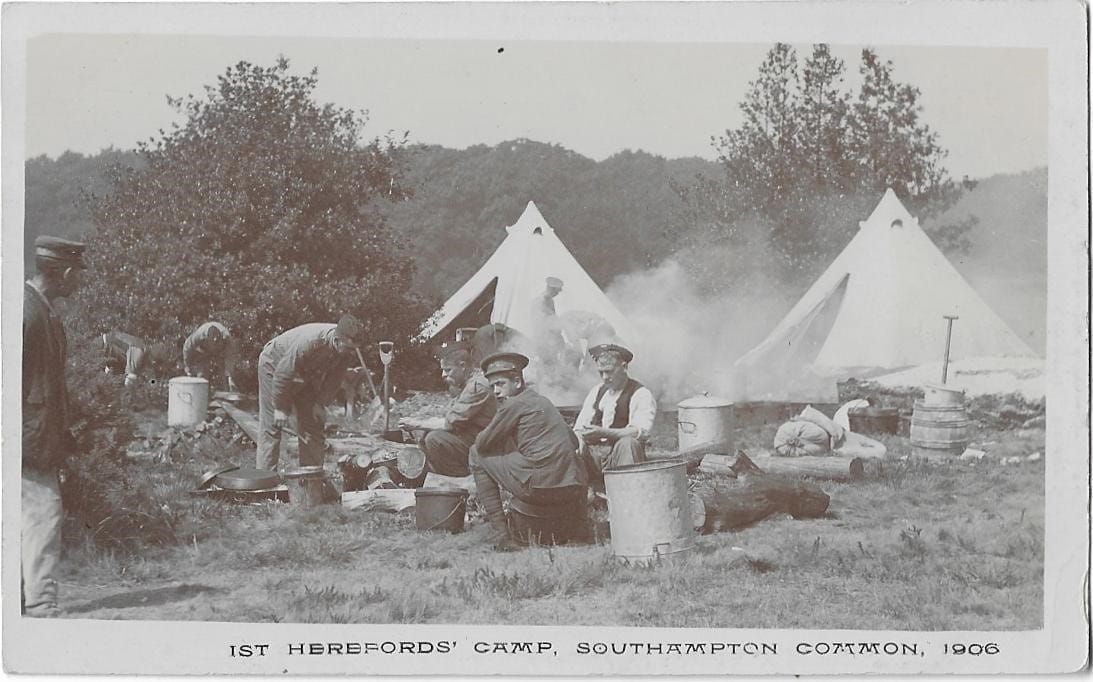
x=379, y=500
x=733, y=508
x=718, y=464
x=832, y=468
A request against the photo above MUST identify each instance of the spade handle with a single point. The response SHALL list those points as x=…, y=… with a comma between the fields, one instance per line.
x=948, y=341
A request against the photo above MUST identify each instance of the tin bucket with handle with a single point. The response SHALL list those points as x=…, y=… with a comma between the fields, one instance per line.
x=649, y=509
x=440, y=509
x=188, y=401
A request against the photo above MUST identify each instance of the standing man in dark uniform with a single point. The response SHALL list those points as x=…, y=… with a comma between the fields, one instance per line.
x=447, y=440
x=300, y=372
x=527, y=449
x=46, y=439
x=617, y=416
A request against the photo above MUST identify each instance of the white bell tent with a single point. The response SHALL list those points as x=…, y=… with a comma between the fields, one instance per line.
x=512, y=279
x=880, y=305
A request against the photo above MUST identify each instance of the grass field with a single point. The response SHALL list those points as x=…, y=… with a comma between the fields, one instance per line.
x=950, y=546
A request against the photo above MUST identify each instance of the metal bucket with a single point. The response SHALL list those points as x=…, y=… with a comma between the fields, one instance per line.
x=649, y=508
x=704, y=419
x=440, y=509
x=309, y=486
x=187, y=401
x=940, y=428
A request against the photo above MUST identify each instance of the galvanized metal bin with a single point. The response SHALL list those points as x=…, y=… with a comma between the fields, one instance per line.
x=649, y=509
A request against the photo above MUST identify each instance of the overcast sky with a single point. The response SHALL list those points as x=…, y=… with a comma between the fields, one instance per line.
x=88, y=92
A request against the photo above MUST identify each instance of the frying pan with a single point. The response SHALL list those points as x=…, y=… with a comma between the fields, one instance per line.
x=248, y=479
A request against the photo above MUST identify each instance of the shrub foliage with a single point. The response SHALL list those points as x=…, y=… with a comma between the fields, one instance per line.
x=260, y=210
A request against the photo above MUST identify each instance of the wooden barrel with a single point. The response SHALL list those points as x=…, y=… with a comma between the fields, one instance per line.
x=940, y=427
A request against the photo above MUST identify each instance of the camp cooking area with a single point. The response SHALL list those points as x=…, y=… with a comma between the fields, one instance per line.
x=881, y=472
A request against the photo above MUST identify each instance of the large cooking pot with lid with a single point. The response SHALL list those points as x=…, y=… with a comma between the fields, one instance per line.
x=705, y=419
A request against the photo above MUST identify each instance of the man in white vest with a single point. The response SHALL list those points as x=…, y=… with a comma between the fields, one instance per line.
x=617, y=416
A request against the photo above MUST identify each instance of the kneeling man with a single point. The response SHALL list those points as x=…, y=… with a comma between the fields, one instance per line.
x=617, y=416
x=527, y=449
x=447, y=440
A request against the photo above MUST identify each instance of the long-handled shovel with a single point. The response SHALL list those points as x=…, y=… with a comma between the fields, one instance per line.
x=387, y=351
x=948, y=341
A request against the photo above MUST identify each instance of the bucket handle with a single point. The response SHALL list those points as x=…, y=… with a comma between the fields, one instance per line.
x=461, y=506
x=689, y=431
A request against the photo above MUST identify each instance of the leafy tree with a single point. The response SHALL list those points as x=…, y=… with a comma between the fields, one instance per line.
x=260, y=210
x=810, y=159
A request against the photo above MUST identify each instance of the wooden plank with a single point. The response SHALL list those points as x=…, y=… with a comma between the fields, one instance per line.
x=435, y=480
x=246, y=421
x=393, y=500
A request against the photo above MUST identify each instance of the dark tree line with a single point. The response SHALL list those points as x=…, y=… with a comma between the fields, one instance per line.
x=265, y=208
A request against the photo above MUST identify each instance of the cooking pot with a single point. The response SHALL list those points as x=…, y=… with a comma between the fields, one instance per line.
x=705, y=419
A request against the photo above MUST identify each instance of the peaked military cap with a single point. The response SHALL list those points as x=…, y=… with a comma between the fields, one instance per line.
x=504, y=362
x=449, y=350
x=60, y=250
x=352, y=330
x=624, y=353
x=554, y=282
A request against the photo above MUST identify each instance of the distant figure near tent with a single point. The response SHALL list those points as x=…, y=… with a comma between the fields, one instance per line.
x=546, y=329
x=510, y=286
x=513, y=277
x=878, y=306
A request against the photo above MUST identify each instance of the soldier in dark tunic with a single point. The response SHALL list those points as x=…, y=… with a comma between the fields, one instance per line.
x=446, y=441
x=46, y=439
x=300, y=372
x=527, y=448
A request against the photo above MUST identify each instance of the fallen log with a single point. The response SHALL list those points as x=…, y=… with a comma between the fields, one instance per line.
x=695, y=453
x=393, y=500
x=435, y=480
x=734, y=508
x=720, y=465
x=831, y=468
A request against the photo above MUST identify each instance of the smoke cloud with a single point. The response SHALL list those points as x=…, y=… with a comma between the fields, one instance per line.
x=696, y=316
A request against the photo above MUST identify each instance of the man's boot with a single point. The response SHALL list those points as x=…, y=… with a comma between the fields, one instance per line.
x=500, y=538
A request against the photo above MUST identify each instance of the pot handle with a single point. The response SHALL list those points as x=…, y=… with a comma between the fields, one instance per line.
x=688, y=427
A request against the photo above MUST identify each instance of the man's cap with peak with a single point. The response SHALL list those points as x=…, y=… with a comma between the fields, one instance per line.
x=504, y=362
x=352, y=330
x=624, y=353
x=61, y=251
x=448, y=351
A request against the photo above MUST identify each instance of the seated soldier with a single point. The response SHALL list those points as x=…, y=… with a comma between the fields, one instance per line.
x=447, y=440
x=125, y=352
x=617, y=416
x=527, y=449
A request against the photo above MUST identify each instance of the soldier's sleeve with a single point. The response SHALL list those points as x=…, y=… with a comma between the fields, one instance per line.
x=475, y=397
x=189, y=349
x=498, y=433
